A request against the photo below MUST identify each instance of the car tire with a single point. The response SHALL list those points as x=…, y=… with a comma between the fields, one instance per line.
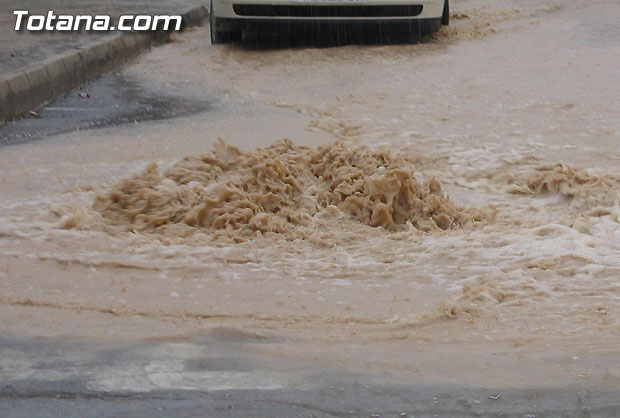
x=430, y=27
x=217, y=37
x=445, y=18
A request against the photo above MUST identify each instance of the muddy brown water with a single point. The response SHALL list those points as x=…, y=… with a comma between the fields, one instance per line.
x=512, y=108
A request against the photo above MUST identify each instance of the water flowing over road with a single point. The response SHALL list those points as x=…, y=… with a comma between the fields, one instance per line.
x=475, y=241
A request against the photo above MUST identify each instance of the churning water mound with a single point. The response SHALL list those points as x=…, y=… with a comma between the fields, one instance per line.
x=481, y=22
x=587, y=189
x=279, y=189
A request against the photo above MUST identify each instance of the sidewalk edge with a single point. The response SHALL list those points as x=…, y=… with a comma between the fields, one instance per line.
x=33, y=86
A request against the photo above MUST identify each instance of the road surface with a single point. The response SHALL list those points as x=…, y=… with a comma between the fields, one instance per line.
x=498, y=299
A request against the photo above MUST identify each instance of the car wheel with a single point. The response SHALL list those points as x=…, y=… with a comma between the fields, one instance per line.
x=430, y=27
x=445, y=18
x=217, y=37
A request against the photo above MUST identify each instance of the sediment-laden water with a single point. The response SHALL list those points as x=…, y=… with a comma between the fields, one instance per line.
x=448, y=210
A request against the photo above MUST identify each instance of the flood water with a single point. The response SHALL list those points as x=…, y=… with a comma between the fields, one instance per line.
x=513, y=110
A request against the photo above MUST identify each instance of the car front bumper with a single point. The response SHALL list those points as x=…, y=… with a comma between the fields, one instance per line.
x=431, y=9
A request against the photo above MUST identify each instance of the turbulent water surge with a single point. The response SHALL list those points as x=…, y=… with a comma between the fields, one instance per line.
x=281, y=189
x=447, y=210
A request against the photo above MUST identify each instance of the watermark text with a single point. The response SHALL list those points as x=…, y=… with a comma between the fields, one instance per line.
x=66, y=23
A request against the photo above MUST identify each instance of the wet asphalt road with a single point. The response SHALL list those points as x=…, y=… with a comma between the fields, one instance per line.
x=113, y=100
x=222, y=374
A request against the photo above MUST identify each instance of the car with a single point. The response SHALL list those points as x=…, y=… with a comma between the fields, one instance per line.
x=229, y=18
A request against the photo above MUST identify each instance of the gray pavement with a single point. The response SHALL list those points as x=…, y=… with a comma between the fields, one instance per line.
x=114, y=99
x=21, y=49
x=225, y=373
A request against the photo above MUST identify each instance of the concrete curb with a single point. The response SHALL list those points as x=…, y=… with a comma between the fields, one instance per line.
x=33, y=86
